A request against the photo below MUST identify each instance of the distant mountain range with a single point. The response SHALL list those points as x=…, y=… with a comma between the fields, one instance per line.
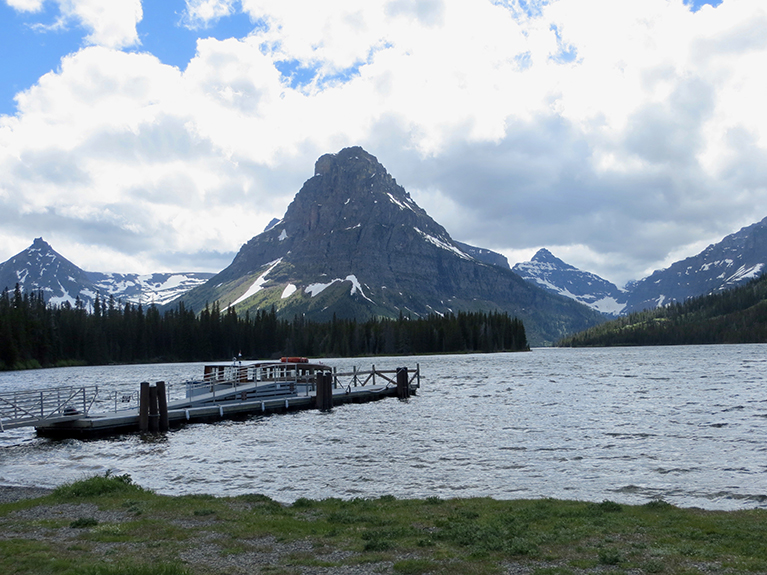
x=737, y=315
x=354, y=244
x=41, y=268
x=732, y=262
x=563, y=279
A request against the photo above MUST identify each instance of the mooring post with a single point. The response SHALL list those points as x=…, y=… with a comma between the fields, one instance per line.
x=154, y=412
x=162, y=404
x=324, y=397
x=403, y=386
x=418, y=376
x=143, y=407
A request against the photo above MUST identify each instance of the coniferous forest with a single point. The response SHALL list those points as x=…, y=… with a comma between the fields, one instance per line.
x=36, y=334
x=738, y=315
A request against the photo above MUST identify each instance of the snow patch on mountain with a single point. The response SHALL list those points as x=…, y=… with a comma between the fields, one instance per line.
x=745, y=273
x=317, y=288
x=443, y=244
x=289, y=290
x=257, y=285
x=399, y=204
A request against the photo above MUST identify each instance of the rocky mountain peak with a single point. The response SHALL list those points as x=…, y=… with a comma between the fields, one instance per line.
x=354, y=244
x=40, y=244
x=556, y=276
x=348, y=187
x=544, y=256
x=350, y=202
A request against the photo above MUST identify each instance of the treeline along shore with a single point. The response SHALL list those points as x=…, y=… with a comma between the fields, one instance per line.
x=738, y=315
x=34, y=333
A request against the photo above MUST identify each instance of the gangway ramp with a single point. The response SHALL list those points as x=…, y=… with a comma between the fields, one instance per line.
x=45, y=406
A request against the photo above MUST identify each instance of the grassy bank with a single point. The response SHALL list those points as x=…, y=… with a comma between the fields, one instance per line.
x=109, y=526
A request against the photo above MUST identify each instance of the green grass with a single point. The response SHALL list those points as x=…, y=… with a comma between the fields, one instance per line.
x=150, y=534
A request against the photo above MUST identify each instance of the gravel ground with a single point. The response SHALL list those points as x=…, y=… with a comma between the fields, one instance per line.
x=9, y=494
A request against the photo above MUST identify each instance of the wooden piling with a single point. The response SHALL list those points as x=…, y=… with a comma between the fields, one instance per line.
x=143, y=410
x=403, y=385
x=324, y=391
x=162, y=404
x=154, y=412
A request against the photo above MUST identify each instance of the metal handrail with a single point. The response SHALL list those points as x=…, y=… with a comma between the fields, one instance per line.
x=20, y=408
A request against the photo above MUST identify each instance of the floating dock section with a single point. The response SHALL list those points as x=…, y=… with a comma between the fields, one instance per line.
x=235, y=392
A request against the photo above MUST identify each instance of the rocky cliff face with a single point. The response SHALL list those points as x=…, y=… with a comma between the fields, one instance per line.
x=353, y=243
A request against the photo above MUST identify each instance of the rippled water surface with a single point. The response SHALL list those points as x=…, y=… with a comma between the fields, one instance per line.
x=686, y=424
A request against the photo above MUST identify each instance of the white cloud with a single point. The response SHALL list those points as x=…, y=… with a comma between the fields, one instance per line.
x=112, y=24
x=619, y=139
x=203, y=13
x=109, y=23
x=25, y=5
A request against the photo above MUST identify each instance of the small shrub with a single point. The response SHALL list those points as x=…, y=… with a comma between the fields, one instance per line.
x=203, y=512
x=303, y=503
x=378, y=545
x=610, y=506
x=658, y=505
x=256, y=498
x=96, y=486
x=605, y=507
x=83, y=522
x=609, y=557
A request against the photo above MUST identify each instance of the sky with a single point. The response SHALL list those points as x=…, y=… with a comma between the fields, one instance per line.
x=161, y=135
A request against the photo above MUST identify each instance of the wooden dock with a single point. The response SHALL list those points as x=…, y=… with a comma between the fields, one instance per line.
x=211, y=402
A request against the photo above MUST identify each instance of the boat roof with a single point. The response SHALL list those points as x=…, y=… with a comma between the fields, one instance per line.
x=267, y=363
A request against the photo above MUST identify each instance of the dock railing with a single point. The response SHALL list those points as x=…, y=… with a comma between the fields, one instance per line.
x=358, y=378
x=21, y=408
x=294, y=384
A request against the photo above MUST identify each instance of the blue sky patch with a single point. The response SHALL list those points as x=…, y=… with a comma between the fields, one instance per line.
x=296, y=74
x=567, y=52
x=30, y=48
x=27, y=53
x=163, y=34
x=696, y=5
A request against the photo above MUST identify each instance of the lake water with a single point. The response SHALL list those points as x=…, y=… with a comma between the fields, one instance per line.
x=685, y=424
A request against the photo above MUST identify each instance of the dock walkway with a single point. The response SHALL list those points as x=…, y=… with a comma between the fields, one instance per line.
x=55, y=415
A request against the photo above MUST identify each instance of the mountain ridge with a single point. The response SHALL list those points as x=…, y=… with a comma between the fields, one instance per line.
x=354, y=244
x=731, y=262
x=41, y=268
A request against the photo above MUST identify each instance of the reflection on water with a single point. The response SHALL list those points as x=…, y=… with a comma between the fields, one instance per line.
x=686, y=424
